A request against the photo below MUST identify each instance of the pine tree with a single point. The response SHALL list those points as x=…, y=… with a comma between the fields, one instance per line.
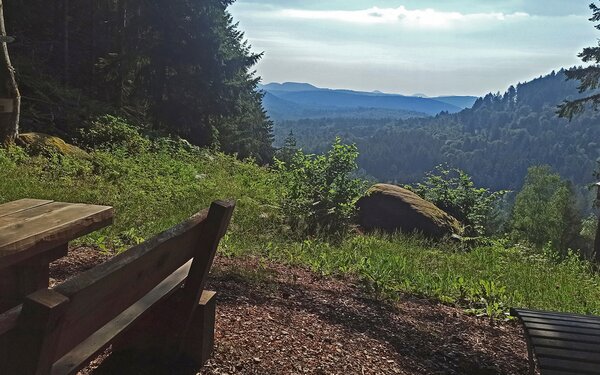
x=588, y=76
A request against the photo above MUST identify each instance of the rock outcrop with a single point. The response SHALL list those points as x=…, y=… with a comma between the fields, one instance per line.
x=37, y=143
x=390, y=208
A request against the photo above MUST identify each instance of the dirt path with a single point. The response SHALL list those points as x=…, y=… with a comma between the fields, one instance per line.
x=274, y=319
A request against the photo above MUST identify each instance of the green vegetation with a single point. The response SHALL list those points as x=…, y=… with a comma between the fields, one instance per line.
x=545, y=211
x=159, y=185
x=453, y=191
x=170, y=66
x=320, y=190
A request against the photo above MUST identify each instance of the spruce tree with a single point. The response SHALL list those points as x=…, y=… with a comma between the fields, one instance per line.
x=588, y=76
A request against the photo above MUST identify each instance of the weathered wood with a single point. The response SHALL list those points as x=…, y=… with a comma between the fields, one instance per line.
x=39, y=327
x=26, y=215
x=576, y=367
x=19, y=280
x=199, y=341
x=218, y=220
x=150, y=282
x=98, y=341
x=140, y=268
x=20, y=205
x=48, y=230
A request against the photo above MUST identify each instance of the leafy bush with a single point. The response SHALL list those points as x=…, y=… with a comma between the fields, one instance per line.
x=545, y=211
x=453, y=191
x=320, y=190
x=109, y=133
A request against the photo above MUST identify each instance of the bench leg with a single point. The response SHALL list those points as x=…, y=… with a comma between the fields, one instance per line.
x=159, y=330
x=199, y=342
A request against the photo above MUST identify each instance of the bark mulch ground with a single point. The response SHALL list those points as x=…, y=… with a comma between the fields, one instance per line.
x=276, y=319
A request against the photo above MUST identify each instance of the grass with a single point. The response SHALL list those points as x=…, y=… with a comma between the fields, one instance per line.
x=152, y=191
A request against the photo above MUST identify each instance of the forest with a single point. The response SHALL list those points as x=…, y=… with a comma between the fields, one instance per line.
x=496, y=141
x=170, y=67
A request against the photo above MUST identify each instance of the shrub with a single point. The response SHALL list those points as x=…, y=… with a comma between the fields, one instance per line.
x=453, y=191
x=109, y=133
x=321, y=190
x=545, y=211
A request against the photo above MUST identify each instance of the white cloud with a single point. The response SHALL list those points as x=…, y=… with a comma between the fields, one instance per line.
x=418, y=18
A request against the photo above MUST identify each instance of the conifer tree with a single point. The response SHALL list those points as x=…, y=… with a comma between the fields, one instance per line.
x=588, y=76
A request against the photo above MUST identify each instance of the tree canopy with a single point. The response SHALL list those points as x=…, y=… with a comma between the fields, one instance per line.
x=588, y=76
x=178, y=66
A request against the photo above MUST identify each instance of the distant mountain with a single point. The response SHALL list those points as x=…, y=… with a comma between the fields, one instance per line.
x=294, y=100
x=495, y=141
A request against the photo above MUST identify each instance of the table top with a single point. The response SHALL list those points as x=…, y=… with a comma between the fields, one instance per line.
x=29, y=227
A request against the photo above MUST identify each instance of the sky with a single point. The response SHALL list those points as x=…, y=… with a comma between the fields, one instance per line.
x=444, y=47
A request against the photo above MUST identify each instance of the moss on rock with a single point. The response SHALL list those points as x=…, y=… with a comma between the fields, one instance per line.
x=39, y=143
x=391, y=208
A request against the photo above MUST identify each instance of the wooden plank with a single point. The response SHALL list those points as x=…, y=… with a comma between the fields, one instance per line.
x=8, y=319
x=219, y=216
x=564, y=344
x=561, y=317
x=554, y=314
x=124, y=279
x=24, y=216
x=20, y=205
x=577, y=367
x=50, y=230
x=564, y=336
x=565, y=323
x=558, y=328
x=568, y=354
x=74, y=360
x=560, y=372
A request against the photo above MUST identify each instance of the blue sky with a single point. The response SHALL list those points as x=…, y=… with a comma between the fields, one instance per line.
x=461, y=47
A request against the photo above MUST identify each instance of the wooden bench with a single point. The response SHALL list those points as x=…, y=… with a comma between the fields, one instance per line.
x=562, y=343
x=149, y=297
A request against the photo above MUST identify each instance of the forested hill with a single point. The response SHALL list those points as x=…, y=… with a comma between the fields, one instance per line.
x=495, y=141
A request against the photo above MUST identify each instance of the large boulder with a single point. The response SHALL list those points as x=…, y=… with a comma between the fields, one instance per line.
x=39, y=143
x=390, y=208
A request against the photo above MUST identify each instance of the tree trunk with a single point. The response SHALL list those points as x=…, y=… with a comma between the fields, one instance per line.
x=10, y=99
x=66, y=52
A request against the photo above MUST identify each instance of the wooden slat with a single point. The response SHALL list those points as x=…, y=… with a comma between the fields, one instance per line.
x=77, y=358
x=8, y=319
x=564, y=344
x=24, y=216
x=577, y=367
x=49, y=230
x=565, y=323
x=123, y=280
x=556, y=315
x=20, y=205
x=558, y=328
x=568, y=354
x=564, y=336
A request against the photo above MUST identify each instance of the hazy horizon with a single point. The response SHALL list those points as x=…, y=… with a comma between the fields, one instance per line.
x=406, y=47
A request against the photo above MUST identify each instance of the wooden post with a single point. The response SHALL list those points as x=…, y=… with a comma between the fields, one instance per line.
x=21, y=279
x=597, y=239
x=37, y=333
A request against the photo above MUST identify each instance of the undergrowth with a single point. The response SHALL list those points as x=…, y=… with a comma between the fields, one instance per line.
x=154, y=188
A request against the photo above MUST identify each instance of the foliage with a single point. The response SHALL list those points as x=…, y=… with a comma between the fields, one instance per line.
x=588, y=76
x=182, y=67
x=153, y=190
x=320, y=190
x=109, y=133
x=453, y=191
x=545, y=211
x=494, y=142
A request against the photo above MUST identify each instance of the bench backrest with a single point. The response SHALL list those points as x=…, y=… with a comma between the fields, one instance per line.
x=54, y=322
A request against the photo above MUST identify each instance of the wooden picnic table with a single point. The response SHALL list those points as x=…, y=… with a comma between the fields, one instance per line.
x=35, y=232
